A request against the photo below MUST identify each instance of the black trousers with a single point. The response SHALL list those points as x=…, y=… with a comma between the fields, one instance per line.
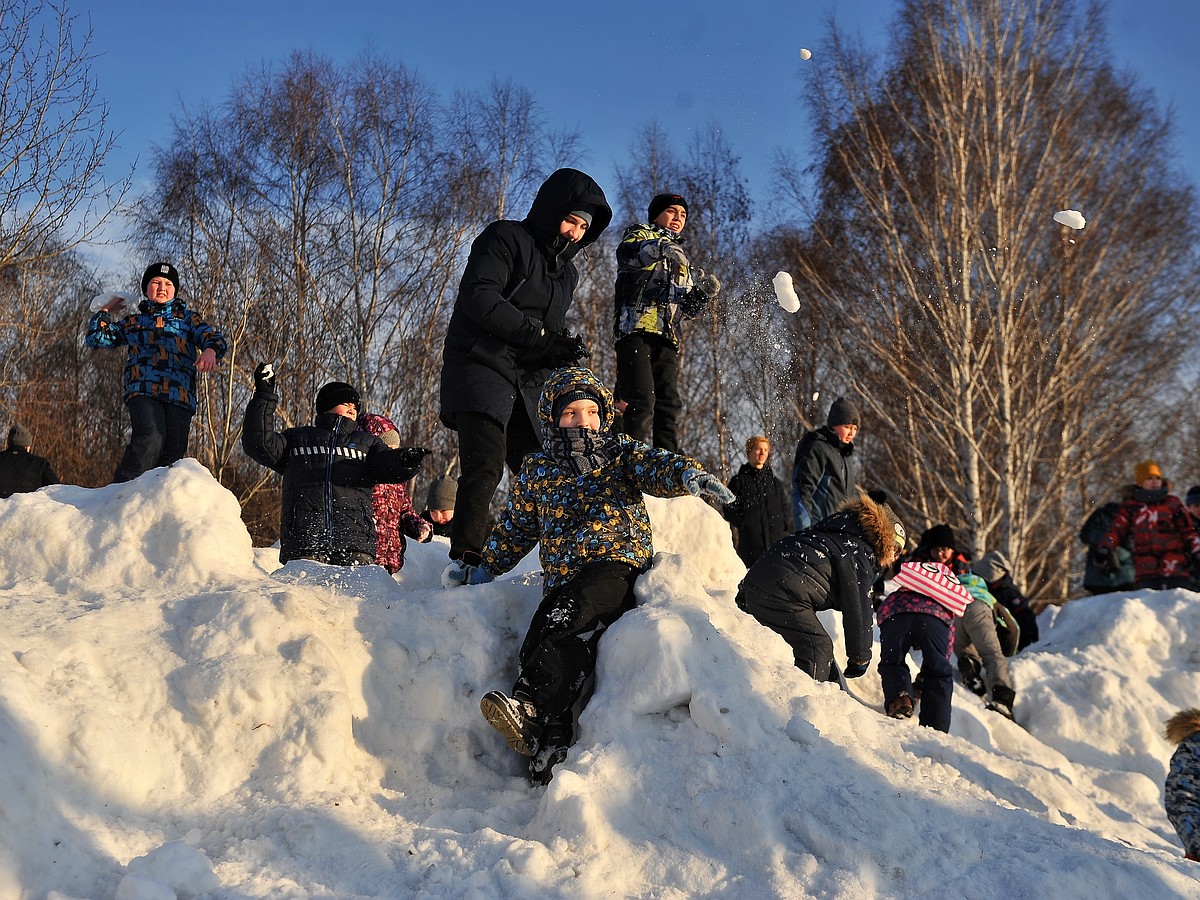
x=159, y=436
x=559, y=652
x=812, y=647
x=484, y=448
x=647, y=380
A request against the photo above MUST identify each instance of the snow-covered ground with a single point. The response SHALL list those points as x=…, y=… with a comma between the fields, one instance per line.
x=180, y=717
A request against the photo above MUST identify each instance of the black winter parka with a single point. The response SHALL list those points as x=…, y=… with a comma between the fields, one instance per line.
x=22, y=472
x=762, y=512
x=519, y=281
x=328, y=469
x=830, y=566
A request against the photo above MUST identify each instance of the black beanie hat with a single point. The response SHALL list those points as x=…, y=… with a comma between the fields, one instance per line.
x=939, y=536
x=842, y=412
x=662, y=201
x=576, y=392
x=160, y=270
x=334, y=393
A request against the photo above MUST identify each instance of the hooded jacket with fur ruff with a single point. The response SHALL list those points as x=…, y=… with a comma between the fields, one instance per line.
x=831, y=565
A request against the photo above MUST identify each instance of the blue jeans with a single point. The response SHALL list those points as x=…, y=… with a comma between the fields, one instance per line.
x=930, y=635
x=159, y=436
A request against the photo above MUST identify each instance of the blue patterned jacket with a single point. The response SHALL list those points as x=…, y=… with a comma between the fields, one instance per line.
x=164, y=342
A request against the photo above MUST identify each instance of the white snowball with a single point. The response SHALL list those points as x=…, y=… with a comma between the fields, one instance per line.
x=804, y=53
x=101, y=299
x=1072, y=218
x=785, y=293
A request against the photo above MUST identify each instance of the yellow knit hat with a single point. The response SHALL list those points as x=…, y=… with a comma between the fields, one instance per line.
x=1144, y=470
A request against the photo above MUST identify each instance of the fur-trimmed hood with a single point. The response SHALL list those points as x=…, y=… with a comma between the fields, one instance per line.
x=881, y=526
x=1182, y=725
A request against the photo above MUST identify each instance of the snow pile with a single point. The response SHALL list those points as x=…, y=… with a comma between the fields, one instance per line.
x=181, y=720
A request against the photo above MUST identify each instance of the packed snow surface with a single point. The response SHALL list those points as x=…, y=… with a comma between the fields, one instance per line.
x=183, y=718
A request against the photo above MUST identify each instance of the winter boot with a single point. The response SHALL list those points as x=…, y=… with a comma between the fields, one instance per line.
x=556, y=737
x=516, y=718
x=901, y=707
x=1002, y=701
x=972, y=674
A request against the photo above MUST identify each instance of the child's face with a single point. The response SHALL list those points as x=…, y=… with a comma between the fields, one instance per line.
x=1153, y=483
x=441, y=516
x=672, y=218
x=758, y=454
x=846, y=433
x=580, y=414
x=160, y=290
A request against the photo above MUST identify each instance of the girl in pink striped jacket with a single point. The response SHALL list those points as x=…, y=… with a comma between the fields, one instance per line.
x=920, y=616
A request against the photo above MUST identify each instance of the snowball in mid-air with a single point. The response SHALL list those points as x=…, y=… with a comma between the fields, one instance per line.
x=785, y=293
x=805, y=53
x=128, y=300
x=1072, y=218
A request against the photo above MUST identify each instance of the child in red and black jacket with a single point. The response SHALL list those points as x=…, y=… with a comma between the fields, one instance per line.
x=920, y=616
x=1166, y=545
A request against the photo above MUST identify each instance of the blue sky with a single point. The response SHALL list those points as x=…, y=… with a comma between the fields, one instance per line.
x=606, y=68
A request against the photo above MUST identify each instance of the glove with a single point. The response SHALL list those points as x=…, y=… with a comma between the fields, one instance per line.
x=700, y=483
x=856, y=668
x=459, y=573
x=1102, y=559
x=708, y=285
x=675, y=258
x=565, y=349
x=425, y=535
x=264, y=377
x=413, y=456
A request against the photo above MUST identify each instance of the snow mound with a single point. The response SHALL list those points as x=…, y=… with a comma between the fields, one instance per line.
x=307, y=730
x=169, y=528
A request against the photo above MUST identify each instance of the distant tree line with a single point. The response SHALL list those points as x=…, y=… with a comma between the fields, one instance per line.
x=1011, y=369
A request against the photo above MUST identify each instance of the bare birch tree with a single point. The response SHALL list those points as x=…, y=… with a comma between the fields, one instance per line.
x=1003, y=357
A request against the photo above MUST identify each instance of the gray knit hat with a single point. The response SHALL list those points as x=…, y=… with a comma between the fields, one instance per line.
x=19, y=436
x=442, y=493
x=843, y=411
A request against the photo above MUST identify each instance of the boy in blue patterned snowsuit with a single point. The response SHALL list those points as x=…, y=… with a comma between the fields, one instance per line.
x=580, y=498
x=168, y=344
x=1181, y=794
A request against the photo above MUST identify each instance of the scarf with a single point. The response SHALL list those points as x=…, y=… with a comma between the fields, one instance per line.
x=580, y=450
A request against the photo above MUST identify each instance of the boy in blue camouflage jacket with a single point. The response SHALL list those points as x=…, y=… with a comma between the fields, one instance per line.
x=580, y=498
x=167, y=345
x=1181, y=794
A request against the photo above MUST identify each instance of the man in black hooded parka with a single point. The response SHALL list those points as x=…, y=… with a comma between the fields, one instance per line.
x=507, y=333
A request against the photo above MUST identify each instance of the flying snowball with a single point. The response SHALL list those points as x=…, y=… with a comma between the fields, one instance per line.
x=1072, y=218
x=805, y=53
x=785, y=293
x=816, y=396
x=103, y=299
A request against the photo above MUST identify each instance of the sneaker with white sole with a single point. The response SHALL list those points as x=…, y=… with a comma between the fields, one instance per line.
x=516, y=719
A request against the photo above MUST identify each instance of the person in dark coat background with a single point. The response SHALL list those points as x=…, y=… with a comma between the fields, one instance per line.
x=762, y=513
x=21, y=472
x=829, y=566
x=823, y=473
x=329, y=470
x=1095, y=579
x=507, y=332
